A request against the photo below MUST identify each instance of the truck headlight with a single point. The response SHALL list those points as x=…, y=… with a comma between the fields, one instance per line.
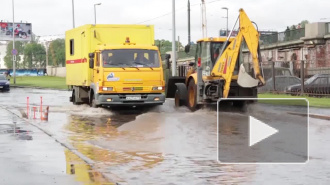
x=107, y=88
x=158, y=88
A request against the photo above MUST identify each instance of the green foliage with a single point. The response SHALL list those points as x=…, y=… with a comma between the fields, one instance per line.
x=9, y=57
x=166, y=45
x=313, y=102
x=303, y=23
x=34, y=55
x=51, y=82
x=56, y=52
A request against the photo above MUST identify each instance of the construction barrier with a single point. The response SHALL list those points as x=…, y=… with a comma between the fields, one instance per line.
x=36, y=112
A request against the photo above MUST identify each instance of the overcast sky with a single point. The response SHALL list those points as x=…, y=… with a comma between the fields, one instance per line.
x=54, y=17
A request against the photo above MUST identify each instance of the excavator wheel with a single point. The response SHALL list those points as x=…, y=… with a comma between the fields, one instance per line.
x=180, y=96
x=192, y=96
x=178, y=102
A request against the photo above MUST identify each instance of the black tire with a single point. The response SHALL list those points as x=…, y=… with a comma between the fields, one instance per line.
x=74, y=98
x=192, y=96
x=92, y=102
x=178, y=102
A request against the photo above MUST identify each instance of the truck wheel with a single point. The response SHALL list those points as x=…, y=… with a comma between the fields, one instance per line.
x=192, y=96
x=74, y=98
x=178, y=102
x=92, y=103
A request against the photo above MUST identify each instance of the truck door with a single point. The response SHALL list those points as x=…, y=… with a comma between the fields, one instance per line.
x=96, y=71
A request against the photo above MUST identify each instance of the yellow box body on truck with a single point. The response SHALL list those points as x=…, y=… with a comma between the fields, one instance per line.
x=114, y=65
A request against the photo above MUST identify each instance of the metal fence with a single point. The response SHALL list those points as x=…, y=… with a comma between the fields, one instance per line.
x=306, y=77
x=286, y=36
x=310, y=77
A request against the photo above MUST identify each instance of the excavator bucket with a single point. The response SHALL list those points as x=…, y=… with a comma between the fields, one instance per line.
x=245, y=80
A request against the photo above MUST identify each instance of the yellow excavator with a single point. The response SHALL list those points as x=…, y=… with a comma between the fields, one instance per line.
x=220, y=70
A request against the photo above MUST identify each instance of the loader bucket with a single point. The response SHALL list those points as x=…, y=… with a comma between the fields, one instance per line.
x=171, y=87
x=245, y=80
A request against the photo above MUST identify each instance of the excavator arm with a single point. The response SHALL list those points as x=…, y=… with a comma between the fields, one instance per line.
x=225, y=65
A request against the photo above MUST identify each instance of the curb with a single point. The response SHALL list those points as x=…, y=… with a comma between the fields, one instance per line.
x=317, y=116
x=35, y=87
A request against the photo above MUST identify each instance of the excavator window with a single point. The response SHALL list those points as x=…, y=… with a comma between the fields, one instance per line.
x=215, y=51
x=206, y=61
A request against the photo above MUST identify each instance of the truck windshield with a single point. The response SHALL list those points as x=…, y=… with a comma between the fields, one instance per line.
x=130, y=58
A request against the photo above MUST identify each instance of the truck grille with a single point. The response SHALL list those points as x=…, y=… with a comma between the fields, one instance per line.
x=132, y=88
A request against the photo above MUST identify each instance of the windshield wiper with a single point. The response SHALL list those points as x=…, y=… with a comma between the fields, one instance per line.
x=144, y=65
x=134, y=67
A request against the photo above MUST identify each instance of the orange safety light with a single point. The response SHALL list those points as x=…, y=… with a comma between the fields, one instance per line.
x=127, y=40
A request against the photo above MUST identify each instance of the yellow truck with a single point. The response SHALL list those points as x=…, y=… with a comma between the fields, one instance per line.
x=110, y=65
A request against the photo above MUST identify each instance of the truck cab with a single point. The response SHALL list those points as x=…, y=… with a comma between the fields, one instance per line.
x=114, y=65
x=129, y=76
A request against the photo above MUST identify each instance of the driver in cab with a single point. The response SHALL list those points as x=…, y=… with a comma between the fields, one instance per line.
x=140, y=59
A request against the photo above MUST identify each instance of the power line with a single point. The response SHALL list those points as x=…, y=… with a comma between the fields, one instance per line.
x=175, y=10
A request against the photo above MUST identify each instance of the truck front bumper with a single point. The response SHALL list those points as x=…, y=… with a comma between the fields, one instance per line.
x=121, y=99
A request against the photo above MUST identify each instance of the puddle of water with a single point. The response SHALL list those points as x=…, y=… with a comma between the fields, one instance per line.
x=82, y=172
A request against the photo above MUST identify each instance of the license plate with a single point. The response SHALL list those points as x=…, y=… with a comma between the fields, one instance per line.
x=133, y=98
x=1, y=87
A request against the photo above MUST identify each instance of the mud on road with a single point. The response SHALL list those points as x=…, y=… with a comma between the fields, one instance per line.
x=165, y=145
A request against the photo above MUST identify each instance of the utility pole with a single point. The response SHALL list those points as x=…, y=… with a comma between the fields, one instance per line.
x=73, y=13
x=204, y=27
x=189, y=36
x=173, y=40
x=14, y=54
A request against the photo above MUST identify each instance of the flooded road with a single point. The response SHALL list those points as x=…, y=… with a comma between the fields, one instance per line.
x=162, y=145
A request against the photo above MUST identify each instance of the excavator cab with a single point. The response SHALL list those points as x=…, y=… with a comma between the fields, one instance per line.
x=220, y=71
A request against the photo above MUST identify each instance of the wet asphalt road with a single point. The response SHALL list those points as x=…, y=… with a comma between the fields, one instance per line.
x=162, y=145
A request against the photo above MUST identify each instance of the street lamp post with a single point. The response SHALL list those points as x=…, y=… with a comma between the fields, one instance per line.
x=95, y=10
x=73, y=13
x=225, y=8
x=14, y=54
x=173, y=40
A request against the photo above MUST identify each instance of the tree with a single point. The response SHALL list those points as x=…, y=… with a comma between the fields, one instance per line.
x=303, y=23
x=56, y=52
x=166, y=45
x=9, y=57
x=34, y=55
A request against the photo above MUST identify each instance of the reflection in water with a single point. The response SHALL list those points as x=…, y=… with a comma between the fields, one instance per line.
x=83, y=172
x=157, y=148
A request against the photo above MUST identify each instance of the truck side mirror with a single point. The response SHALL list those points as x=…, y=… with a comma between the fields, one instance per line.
x=191, y=64
x=91, y=55
x=187, y=48
x=167, y=59
x=167, y=56
x=91, y=63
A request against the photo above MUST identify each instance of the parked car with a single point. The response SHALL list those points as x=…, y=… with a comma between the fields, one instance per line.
x=4, y=83
x=279, y=71
x=281, y=82
x=317, y=84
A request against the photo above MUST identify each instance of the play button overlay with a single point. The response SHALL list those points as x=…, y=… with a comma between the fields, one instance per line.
x=262, y=131
x=259, y=131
